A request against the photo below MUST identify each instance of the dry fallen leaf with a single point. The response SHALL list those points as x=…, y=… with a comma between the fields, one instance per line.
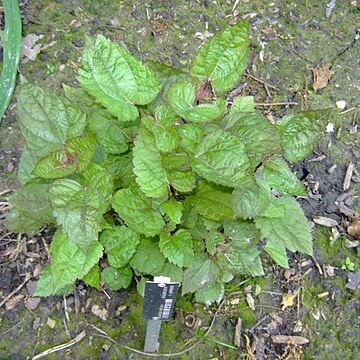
x=321, y=75
x=288, y=339
x=288, y=300
x=250, y=301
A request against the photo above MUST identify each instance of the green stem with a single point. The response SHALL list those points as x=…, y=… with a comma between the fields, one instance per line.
x=12, y=53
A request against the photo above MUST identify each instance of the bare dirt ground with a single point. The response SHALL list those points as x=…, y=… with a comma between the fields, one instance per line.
x=310, y=311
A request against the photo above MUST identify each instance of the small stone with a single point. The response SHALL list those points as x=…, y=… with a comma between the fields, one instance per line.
x=298, y=327
x=32, y=303
x=36, y=323
x=51, y=323
x=62, y=67
x=10, y=167
x=341, y=104
x=331, y=169
x=101, y=313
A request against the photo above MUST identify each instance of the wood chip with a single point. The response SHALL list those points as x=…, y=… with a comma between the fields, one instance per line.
x=321, y=75
x=331, y=169
x=51, y=323
x=31, y=303
x=325, y=221
x=288, y=300
x=237, y=336
x=14, y=302
x=288, y=339
x=322, y=295
x=354, y=229
x=348, y=176
x=250, y=301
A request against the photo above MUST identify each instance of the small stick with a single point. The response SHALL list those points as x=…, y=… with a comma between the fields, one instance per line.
x=65, y=309
x=237, y=337
x=347, y=111
x=27, y=278
x=78, y=338
x=348, y=176
x=279, y=103
x=261, y=81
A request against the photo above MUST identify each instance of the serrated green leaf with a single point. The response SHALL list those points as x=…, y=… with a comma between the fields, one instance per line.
x=75, y=156
x=116, y=79
x=243, y=104
x=120, y=244
x=46, y=120
x=221, y=158
x=178, y=171
x=68, y=263
x=277, y=174
x=78, y=208
x=259, y=136
x=278, y=253
x=109, y=134
x=190, y=135
x=222, y=59
x=148, y=259
x=173, y=209
x=122, y=168
x=300, y=132
x=250, y=201
x=135, y=209
x=27, y=164
x=204, y=272
x=92, y=278
x=148, y=168
x=115, y=278
x=209, y=294
x=289, y=229
x=213, y=202
x=177, y=248
x=31, y=209
x=213, y=238
x=173, y=272
x=241, y=255
x=181, y=97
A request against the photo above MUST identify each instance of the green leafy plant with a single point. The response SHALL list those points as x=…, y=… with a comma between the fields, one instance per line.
x=151, y=166
x=348, y=265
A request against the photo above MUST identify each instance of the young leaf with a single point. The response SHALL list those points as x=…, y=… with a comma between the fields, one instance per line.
x=115, y=278
x=276, y=173
x=190, y=135
x=148, y=169
x=116, y=79
x=212, y=202
x=287, y=228
x=178, y=248
x=68, y=263
x=222, y=59
x=204, y=272
x=78, y=208
x=74, y=157
x=135, y=209
x=209, y=294
x=46, y=120
x=31, y=209
x=221, y=158
x=120, y=244
x=92, y=278
x=173, y=209
x=300, y=132
x=148, y=259
x=250, y=201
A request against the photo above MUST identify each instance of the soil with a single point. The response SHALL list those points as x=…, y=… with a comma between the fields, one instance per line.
x=290, y=42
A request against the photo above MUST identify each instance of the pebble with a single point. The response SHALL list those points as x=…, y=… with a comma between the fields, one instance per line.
x=341, y=104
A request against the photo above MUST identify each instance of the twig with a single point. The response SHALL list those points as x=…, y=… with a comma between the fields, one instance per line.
x=261, y=81
x=65, y=309
x=27, y=278
x=348, y=176
x=279, y=103
x=78, y=338
x=347, y=111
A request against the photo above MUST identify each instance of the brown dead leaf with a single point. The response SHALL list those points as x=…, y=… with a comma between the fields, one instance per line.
x=288, y=339
x=321, y=76
x=14, y=302
x=288, y=300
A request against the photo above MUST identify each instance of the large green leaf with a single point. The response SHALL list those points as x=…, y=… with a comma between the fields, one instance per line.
x=116, y=278
x=277, y=174
x=31, y=209
x=212, y=201
x=122, y=168
x=190, y=135
x=259, y=136
x=177, y=248
x=241, y=255
x=172, y=271
x=46, y=120
x=210, y=293
x=181, y=97
x=78, y=208
x=135, y=209
x=204, y=272
x=221, y=158
x=148, y=168
x=148, y=259
x=223, y=57
x=68, y=263
x=300, y=132
x=92, y=278
x=116, y=79
x=75, y=156
x=120, y=244
x=286, y=229
x=26, y=166
x=173, y=209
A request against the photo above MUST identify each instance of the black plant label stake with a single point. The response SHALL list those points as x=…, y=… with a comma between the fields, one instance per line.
x=159, y=299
